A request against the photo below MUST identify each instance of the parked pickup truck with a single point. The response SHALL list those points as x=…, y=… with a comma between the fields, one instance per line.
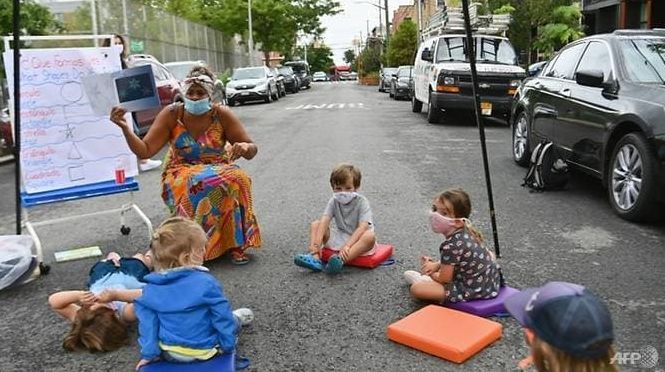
x=442, y=75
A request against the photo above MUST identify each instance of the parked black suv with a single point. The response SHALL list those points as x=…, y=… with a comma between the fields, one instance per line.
x=601, y=101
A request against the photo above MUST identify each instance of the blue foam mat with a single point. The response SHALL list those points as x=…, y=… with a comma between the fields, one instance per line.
x=220, y=363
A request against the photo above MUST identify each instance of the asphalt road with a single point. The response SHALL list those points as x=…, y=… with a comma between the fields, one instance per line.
x=314, y=322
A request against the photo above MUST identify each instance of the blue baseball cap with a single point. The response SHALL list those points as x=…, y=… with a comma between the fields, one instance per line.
x=566, y=316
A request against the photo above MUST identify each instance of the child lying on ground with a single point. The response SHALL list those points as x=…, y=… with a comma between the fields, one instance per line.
x=102, y=325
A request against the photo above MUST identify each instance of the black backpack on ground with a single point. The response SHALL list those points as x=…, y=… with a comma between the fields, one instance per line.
x=547, y=169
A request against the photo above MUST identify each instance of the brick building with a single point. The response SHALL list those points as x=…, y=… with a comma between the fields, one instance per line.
x=602, y=16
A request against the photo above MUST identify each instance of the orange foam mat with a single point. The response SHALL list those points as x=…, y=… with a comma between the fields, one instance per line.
x=446, y=333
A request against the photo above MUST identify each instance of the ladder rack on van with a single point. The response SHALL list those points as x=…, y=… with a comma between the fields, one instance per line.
x=451, y=20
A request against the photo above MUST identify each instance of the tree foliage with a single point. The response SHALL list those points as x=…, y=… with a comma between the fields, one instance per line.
x=403, y=45
x=369, y=60
x=349, y=56
x=533, y=20
x=36, y=19
x=319, y=57
x=275, y=23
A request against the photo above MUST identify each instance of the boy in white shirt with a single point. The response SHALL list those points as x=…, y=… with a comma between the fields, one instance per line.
x=352, y=232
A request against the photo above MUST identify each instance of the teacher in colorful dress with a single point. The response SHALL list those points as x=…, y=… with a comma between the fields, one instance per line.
x=200, y=179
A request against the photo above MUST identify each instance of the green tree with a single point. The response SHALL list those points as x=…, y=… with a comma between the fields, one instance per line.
x=80, y=21
x=349, y=56
x=564, y=28
x=369, y=60
x=35, y=20
x=529, y=20
x=275, y=23
x=403, y=45
x=319, y=57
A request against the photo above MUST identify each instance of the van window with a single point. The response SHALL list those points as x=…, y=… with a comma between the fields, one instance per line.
x=488, y=50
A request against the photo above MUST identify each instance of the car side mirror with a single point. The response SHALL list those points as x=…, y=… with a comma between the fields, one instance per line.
x=270, y=75
x=426, y=55
x=590, y=78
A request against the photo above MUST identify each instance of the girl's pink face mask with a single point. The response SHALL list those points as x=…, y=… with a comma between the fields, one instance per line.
x=444, y=225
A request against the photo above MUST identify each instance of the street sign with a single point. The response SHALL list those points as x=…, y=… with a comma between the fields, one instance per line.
x=136, y=46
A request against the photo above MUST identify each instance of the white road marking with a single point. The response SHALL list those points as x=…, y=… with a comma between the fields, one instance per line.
x=335, y=106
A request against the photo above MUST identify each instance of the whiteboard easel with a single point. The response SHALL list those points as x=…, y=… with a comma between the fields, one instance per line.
x=88, y=190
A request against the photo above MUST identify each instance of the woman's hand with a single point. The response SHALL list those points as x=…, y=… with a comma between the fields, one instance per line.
x=118, y=117
x=239, y=149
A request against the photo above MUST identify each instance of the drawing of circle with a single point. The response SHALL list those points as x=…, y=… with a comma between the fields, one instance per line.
x=71, y=91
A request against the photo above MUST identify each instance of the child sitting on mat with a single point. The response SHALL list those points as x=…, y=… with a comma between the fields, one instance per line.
x=467, y=270
x=182, y=312
x=99, y=324
x=566, y=326
x=352, y=232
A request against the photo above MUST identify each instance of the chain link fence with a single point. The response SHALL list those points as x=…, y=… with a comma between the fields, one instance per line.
x=170, y=38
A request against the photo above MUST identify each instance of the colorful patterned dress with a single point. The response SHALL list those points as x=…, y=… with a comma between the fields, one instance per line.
x=201, y=182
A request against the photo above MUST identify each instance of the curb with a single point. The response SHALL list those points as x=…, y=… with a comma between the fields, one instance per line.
x=6, y=159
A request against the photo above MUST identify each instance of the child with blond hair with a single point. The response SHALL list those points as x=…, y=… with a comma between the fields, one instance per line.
x=466, y=269
x=182, y=312
x=566, y=327
x=346, y=225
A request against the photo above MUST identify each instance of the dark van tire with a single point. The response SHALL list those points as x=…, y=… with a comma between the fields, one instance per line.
x=416, y=106
x=632, y=180
x=433, y=113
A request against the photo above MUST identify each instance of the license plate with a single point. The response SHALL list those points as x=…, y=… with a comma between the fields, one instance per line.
x=244, y=93
x=486, y=108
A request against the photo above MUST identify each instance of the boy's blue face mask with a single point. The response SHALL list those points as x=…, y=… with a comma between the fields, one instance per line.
x=198, y=107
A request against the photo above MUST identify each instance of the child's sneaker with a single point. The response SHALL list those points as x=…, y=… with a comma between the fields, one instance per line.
x=308, y=261
x=335, y=264
x=243, y=315
x=412, y=276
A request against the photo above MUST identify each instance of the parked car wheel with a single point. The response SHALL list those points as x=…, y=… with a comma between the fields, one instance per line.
x=231, y=103
x=521, y=152
x=416, y=106
x=632, y=178
x=268, y=98
x=433, y=112
x=390, y=92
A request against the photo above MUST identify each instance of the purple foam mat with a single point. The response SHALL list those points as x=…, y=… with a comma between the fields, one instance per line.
x=485, y=308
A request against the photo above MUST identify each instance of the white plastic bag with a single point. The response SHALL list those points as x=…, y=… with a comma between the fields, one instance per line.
x=15, y=257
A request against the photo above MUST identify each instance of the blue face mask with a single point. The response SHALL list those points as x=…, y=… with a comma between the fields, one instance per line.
x=199, y=107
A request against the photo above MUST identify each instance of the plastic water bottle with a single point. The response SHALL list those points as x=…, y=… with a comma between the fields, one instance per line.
x=119, y=171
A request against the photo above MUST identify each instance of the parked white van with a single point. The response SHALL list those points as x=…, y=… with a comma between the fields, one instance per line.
x=442, y=75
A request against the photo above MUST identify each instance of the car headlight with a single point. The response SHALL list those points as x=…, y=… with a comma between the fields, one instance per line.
x=448, y=80
x=263, y=86
x=402, y=84
x=230, y=89
x=515, y=83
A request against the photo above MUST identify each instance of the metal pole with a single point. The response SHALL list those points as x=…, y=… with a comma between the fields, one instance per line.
x=250, y=39
x=16, y=19
x=93, y=13
x=481, y=127
x=125, y=24
x=387, y=24
x=380, y=21
x=419, y=20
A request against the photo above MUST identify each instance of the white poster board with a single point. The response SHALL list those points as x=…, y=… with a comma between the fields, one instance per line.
x=63, y=142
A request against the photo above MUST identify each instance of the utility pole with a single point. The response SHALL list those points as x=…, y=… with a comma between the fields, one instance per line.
x=93, y=13
x=419, y=20
x=387, y=25
x=250, y=39
x=125, y=25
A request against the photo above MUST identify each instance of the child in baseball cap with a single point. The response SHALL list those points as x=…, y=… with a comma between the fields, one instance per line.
x=567, y=327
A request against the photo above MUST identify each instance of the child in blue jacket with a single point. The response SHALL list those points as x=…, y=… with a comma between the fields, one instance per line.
x=183, y=314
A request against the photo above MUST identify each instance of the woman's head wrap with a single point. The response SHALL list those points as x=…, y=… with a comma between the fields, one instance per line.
x=201, y=80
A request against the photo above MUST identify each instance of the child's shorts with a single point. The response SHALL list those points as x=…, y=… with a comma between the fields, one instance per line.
x=130, y=272
x=338, y=238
